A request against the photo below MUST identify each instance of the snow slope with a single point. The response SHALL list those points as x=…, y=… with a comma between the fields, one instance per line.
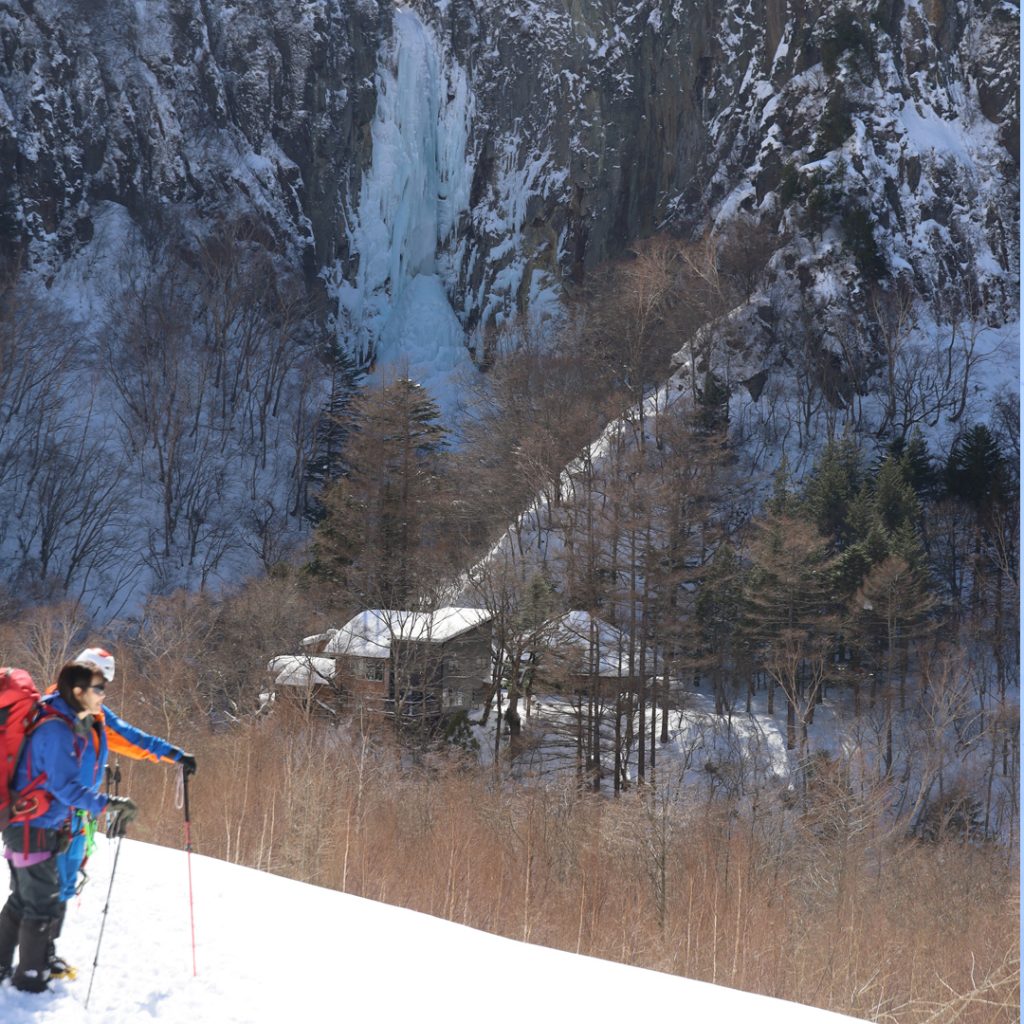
x=272, y=949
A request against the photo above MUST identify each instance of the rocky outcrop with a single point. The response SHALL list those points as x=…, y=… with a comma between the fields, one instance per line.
x=198, y=107
x=671, y=113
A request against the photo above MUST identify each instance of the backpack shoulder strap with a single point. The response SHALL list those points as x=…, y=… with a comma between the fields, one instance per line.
x=46, y=712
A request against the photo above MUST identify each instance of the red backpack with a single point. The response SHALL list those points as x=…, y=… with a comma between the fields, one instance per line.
x=19, y=706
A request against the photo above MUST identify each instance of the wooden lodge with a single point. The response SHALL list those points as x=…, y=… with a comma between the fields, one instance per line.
x=395, y=662
x=581, y=651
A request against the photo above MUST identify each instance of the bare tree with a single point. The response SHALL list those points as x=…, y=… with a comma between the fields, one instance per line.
x=790, y=614
x=891, y=607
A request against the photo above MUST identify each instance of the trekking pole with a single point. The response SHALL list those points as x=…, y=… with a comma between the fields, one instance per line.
x=188, y=852
x=113, y=786
x=103, y=921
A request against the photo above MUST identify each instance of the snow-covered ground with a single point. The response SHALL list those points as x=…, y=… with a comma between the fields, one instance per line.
x=270, y=949
x=754, y=743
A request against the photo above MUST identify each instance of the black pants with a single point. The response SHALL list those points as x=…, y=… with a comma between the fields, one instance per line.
x=35, y=891
x=31, y=916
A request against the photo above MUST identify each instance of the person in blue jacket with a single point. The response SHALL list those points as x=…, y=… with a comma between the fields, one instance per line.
x=122, y=738
x=60, y=769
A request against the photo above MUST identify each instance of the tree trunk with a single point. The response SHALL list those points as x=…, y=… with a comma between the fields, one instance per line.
x=512, y=716
x=617, y=783
x=664, y=706
x=790, y=722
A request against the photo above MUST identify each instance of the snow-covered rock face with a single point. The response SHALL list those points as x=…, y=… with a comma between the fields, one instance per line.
x=503, y=148
x=434, y=169
x=902, y=121
x=202, y=107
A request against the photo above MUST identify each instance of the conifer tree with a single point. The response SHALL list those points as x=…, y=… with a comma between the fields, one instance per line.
x=333, y=424
x=385, y=522
x=834, y=482
x=718, y=608
x=918, y=464
x=789, y=613
x=975, y=469
x=896, y=502
x=889, y=611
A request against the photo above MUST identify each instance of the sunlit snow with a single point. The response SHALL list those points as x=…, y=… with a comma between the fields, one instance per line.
x=270, y=949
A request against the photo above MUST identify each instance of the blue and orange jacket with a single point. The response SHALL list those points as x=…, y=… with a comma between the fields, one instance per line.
x=129, y=741
x=73, y=764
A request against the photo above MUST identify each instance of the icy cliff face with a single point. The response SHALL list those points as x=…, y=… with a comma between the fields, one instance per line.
x=434, y=169
x=402, y=227
x=507, y=147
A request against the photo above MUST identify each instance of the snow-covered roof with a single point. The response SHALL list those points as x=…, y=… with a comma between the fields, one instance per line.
x=300, y=670
x=579, y=629
x=370, y=633
x=309, y=642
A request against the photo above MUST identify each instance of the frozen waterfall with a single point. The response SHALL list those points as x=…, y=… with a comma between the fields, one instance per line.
x=409, y=205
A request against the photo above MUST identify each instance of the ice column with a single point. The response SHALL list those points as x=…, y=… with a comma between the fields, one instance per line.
x=408, y=210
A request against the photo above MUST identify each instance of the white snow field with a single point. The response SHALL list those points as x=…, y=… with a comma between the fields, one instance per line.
x=270, y=949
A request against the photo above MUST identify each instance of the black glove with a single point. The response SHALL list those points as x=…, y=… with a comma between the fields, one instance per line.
x=188, y=763
x=122, y=811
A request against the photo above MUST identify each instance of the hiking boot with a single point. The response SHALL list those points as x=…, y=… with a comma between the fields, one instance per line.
x=30, y=981
x=59, y=967
x=10, y=924
x=32, y=973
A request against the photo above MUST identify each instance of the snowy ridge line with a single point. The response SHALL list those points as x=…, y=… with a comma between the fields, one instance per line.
x=510, y=545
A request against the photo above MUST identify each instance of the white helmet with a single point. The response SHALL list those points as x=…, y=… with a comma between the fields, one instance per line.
x=98, y=660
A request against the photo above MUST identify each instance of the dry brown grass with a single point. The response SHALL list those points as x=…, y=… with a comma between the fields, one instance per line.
x=831, y=909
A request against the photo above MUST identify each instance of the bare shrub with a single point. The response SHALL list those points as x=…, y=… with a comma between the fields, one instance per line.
x=821, y=903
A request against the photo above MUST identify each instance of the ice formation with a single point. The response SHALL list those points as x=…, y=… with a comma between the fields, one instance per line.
x=396, y=307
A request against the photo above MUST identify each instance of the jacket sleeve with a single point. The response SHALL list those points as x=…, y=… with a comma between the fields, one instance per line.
x=129, y=741
x=53, y=750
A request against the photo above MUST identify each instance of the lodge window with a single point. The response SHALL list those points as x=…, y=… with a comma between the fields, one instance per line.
x=372, y=668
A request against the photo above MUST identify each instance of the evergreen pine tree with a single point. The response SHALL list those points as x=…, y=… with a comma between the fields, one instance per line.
x=976, y=468
x=896, y=502
x=713, y=399
x=717, y=609
x=333, y=424
x=834, y=482
x=918, y=464
x=385, y=521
